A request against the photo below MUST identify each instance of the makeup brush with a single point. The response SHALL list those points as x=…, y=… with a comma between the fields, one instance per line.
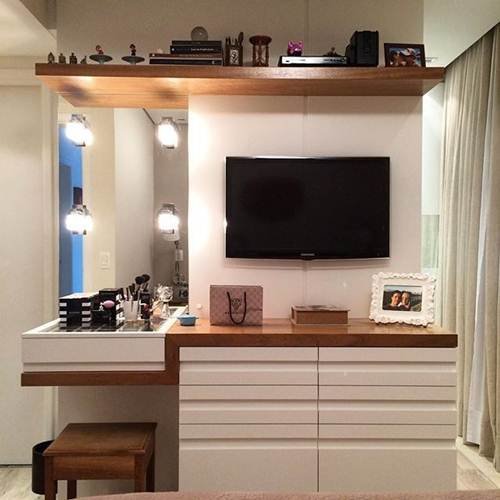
x=146, y=277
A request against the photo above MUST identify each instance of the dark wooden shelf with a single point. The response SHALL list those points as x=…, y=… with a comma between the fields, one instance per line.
x=156, y=86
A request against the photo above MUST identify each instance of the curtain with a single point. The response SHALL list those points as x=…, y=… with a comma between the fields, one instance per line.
x=469, y=235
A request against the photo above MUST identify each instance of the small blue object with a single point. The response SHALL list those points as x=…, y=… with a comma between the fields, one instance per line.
x=187, y=319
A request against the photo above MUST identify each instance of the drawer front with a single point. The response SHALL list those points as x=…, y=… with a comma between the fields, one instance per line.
x=248, y=458
x=248, y=366
x=387, y=405
x=403, y=466
x=248, y=404
x=387, y=367
x=93, y=354
x=331, y=435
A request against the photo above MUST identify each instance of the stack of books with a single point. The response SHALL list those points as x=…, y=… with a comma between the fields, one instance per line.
x=191, y=52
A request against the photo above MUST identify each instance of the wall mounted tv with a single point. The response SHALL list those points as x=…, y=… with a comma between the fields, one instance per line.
x=307, y=208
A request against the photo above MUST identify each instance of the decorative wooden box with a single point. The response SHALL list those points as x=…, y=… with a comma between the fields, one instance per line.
x=319, y=315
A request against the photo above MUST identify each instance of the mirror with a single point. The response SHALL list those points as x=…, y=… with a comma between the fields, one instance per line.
x=123, y=178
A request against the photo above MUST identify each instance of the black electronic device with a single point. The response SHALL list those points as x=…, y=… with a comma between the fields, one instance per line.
x=363, y=49
x=307, y=208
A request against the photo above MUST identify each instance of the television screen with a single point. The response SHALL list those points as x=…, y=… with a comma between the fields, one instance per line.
x=307, y=208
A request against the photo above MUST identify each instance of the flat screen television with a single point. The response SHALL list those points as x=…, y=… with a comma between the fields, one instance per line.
x=307, y=208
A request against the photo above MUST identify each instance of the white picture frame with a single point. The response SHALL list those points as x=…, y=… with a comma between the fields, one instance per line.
x=413, y=306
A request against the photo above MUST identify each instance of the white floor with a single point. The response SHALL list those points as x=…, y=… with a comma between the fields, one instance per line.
x=474, y=473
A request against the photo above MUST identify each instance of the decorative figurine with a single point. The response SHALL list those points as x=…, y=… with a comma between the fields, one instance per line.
x=62, y=59
x=260, y=53
x=199, y=34
x=73, y=59
x=100, y=57
x=51, y=58
x=84, y=60
x=295, y=48
x=332, y=53
x=133, y=58
x=233, y=52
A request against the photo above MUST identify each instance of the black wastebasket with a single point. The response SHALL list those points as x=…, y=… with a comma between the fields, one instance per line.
x=38, y=469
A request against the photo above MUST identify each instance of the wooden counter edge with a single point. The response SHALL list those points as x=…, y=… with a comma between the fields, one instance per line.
x=190, y=337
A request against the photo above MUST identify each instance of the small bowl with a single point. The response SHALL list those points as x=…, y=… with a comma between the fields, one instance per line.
x=187, y=319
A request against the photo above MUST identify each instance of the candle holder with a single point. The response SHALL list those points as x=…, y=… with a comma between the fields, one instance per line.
x=260, y=53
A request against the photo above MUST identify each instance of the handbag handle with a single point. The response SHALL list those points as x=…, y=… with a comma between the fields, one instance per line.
x=231, y=311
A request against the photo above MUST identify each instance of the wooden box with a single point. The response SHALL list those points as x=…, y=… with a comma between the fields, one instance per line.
x=319, y=315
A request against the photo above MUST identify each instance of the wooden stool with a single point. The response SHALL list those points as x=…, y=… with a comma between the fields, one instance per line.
x=101, y=451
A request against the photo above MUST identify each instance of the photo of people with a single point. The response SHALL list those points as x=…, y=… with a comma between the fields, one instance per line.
x=402, y=298
x=401, y=55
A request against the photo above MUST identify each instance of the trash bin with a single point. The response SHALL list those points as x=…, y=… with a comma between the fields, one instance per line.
x=38, y=469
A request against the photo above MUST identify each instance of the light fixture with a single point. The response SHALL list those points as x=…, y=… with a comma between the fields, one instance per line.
x=79, y=219
x=168, y=222
x=78, y=131
x=168, y=133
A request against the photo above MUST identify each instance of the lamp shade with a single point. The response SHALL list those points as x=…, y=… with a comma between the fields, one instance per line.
x=168, y=133
x=78, y=131
x=79, y=220
x=168, y=222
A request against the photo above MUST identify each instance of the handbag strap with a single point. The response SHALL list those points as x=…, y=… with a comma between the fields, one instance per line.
x=231, y=310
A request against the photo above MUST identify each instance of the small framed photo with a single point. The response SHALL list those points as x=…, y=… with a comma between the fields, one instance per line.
x=404, y=55
x=403, y=298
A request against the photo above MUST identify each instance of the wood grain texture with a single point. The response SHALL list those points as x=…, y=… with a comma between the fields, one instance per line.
x=152, y=86
x=101, y=451
x=273, y=333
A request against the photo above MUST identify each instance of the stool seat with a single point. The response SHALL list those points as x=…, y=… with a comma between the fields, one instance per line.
x=101, y=451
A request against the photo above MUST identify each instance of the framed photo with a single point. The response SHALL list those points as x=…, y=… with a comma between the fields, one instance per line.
x=403, y=298
x=404, y=55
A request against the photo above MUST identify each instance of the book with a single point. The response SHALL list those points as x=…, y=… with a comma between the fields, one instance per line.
x=194, y=49
x=197, y=43
x=186, y=61
x=215, y=55
x=319, y=315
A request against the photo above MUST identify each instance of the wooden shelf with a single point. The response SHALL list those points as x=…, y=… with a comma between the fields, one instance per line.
x=152, y=86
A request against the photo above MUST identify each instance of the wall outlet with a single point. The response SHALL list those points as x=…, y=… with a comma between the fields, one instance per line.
x=105, y=260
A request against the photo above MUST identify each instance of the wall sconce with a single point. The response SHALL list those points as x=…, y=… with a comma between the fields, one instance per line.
x=168, y=222
x=168, y=133
x=78, y=131
x=79, y=219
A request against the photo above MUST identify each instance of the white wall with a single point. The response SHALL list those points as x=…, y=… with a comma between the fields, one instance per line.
x=134, y=171
x=24, y=412
x=452, y=26
x=364, y=126
x=151, y=24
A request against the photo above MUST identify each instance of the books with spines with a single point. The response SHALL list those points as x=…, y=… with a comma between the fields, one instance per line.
x=187, y=59
x=196, y=47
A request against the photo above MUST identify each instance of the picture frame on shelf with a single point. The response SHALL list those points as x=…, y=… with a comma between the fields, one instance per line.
x=403, y=298
x=405, y=55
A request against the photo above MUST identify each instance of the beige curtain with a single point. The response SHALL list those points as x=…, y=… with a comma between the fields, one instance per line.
x=469, y=200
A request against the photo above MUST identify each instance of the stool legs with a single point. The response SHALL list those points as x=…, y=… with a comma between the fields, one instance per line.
x=150, y=477
x=49, y=483
x=71, y=489
x=139, y=475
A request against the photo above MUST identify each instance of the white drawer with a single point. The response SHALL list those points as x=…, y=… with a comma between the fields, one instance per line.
x=96, y=353
x=364, y=433
x=387, y=405
x=248, y=404
x=399, y=466
x=387, y=367
x=248, y=366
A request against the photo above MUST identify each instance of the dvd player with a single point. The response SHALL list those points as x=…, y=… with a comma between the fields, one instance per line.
x=313, y=61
